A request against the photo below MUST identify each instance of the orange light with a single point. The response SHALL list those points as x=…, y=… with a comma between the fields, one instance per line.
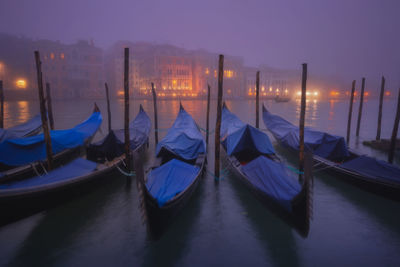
x=21, y=83
x=366, y=93
x=62, y=56
x=387, y=93
x=120, y=93
x=52, y=56
x=207, y=71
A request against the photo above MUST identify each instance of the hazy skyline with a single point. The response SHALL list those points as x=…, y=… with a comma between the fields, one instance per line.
x=346, y=39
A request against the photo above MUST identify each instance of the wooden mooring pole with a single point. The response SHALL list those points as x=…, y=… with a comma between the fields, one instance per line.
x=378, y=131
x=128, y=156
x=394, y=132
x=360, y=107
x=108, y=107
x=153, y=91
x=1, y=105
x=302, y=119
x=208, y=112
x=353, y=87
x=219, y=114
x=49, y=106
x=257, y=99
x=45, y=124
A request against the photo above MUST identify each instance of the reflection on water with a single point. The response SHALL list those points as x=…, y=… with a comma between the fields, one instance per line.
x=223, y=224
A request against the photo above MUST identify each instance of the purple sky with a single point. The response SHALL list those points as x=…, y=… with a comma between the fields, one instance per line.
x=343, y=38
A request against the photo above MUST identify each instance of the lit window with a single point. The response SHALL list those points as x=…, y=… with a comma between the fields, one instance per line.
x=21, y=84
x=62, y=56
x=52, y=56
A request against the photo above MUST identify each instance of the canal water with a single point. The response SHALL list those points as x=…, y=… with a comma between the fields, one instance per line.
x=223, y=224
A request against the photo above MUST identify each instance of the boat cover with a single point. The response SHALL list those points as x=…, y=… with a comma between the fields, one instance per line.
x=170, y=179
x=322, y=144
x=112, y=145
x=237, y=136
x=75, y=168
x=373, y=168
x=21, y=130
x=183, y=138
x=273, y=179
x=15, y=152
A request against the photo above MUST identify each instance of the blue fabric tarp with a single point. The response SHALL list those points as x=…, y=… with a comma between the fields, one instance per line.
x=75, y=168
x=373, y=168
x=112, y=145
x=273, y=179
x=21, y=130
x=237, y=136
x=15, y=152
x=322, y=144
x=183, y=138
x=170, y=179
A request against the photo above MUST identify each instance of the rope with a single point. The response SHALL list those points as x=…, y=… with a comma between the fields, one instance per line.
x=131, y=174
x=44, y=169
x=34, y=168
x=207, y=132
x=222, y=174
x=161, y=129
x=324, y=168
x=294, y=170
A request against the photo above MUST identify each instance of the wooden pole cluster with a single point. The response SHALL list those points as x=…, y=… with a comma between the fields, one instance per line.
x=302, y=118
x=394, y=132
x=153, y=91
x=208, y=112
x=257, y=99
x=108, y=107
x=49, y=106
x=378, y=132
x=219, y=114
x=126, y=117
x=360, y=107
x=353, y=87
x=1, y=105
x=45, y=124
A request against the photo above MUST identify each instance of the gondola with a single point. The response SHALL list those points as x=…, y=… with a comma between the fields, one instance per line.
x=251, y=156
x=180, y=163
x=25, y=197
x=29, y=128
x=332, y=155
x=26, y=157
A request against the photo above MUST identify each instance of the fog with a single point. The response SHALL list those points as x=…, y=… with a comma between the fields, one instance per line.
x=341, y=39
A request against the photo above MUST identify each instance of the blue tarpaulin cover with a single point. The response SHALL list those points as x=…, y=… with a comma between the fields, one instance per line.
x=22, y=151
x=320, y=143
x=21, y=130
x=376, y=169
x=170, y=179
x=112, y=145
x=183, y=138
x=75, y=168
x=273, y=179
x=237, y=136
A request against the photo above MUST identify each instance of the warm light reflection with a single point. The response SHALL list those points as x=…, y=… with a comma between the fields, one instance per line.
x=120, y=93
x=62, y=56
x=387, y=93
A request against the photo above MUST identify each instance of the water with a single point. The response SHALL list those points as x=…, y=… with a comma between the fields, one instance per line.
x=223, y=224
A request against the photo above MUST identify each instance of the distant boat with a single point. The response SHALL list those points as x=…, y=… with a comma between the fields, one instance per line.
x=25, y=157
x=29, y=128
x=252, y=157
x=282, y=99
x=181, y=162
x=331, y=154
x=25, y=197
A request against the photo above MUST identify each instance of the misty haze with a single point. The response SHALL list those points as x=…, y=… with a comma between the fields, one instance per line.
x=199, y=133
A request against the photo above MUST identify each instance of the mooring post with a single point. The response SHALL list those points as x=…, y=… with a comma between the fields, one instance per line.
x=1, y=105
x=153, y=91
x=378, y=131
x=302, y=119
x=360, y=107
x=45, y=125
x=49, y=106
x=219, y=114
x=208, y=112
x=393, y=140
x=126, y=117
x=353, y=87
x=108, y=107
x=257, y=99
